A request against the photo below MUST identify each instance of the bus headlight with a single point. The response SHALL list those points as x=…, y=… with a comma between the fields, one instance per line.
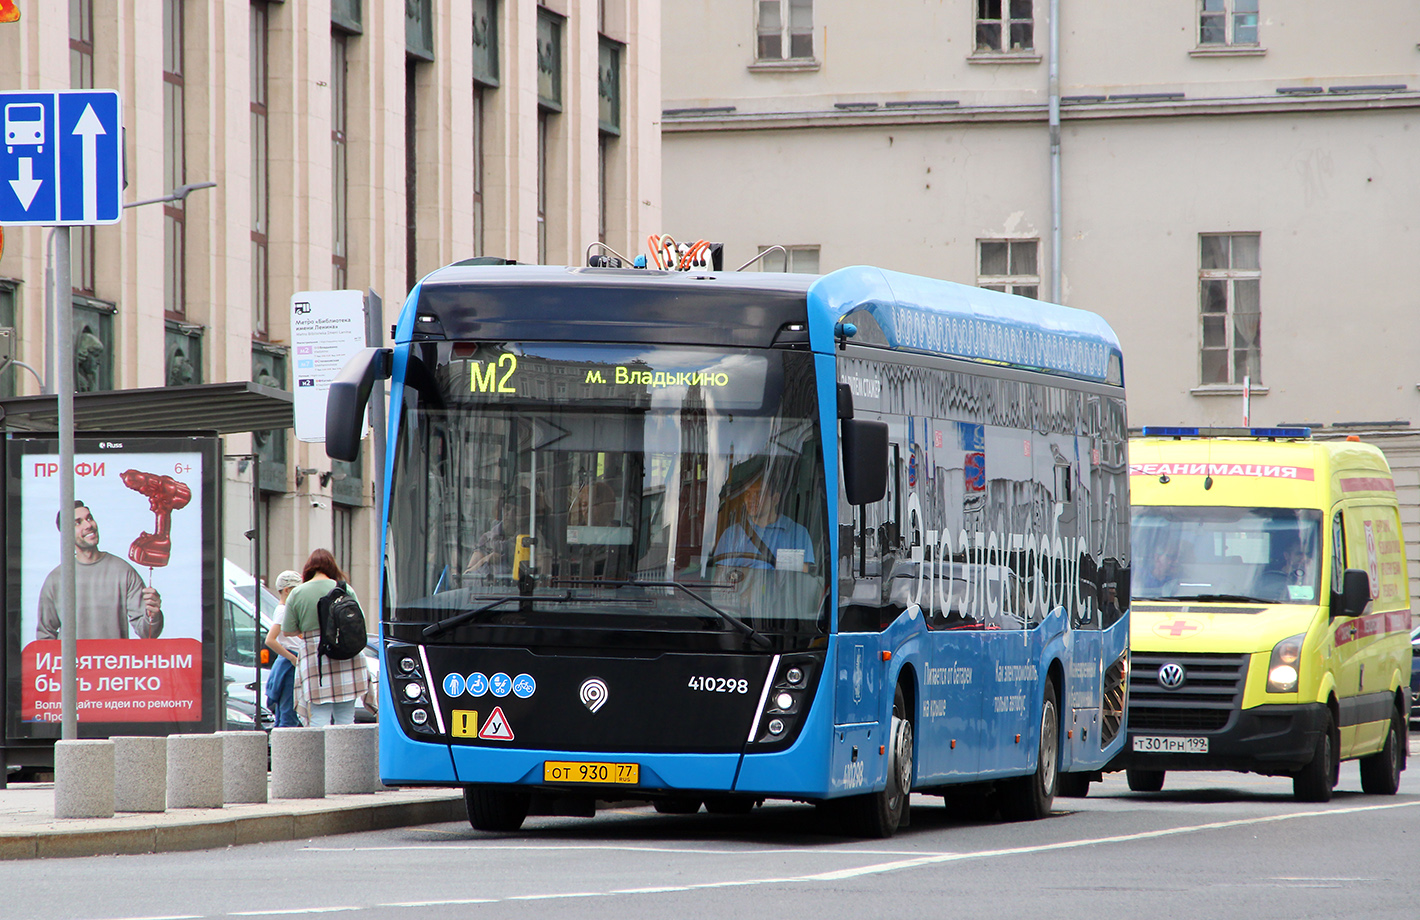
x=786, y=701
x=1282, y=670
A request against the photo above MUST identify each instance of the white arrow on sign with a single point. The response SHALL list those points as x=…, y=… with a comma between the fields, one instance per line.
x=89, y=128
x=27, y=186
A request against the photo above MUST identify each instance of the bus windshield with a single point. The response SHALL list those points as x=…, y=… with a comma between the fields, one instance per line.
x=1264, y=555
x=595, y=487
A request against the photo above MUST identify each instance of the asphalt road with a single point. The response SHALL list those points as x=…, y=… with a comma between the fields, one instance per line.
x=1208, y=846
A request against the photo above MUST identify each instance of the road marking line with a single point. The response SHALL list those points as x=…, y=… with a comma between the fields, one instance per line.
x=439, y=903
x=295, y=910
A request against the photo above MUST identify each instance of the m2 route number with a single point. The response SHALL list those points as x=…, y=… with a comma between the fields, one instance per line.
x=484, y=378
x=720, y=684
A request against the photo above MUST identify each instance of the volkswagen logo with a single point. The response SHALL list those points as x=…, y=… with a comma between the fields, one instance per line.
x=593, y=693
x=1171, y=676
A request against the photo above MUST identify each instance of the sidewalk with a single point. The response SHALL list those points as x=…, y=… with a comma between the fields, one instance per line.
x=29, y=830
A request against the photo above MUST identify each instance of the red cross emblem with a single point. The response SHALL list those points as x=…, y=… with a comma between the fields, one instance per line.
x=1176, y=628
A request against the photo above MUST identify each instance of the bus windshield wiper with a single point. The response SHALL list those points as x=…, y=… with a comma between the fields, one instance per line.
x=749, y=631
x=458, y=619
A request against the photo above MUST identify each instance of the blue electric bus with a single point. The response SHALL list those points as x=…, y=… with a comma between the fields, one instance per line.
x=719, y=537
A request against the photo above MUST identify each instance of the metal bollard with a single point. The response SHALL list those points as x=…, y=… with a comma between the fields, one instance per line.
x=83, y=779
x=297, y=763
x=243, y=767
x=194, y=771
x=352, y=759
x=140, y=773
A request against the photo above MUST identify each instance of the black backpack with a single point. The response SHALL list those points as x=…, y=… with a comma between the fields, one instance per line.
x=342, y=624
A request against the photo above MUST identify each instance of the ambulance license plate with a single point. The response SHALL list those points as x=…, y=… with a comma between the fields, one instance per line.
x=575, y=771
x=1164, y=744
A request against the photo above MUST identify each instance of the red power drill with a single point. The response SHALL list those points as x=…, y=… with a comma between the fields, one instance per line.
x=165, y=495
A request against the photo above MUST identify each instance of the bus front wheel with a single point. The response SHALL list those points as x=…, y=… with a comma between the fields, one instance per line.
x=878, y=814
x=494, y=809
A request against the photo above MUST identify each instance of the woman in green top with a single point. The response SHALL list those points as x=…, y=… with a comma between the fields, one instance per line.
x=330, y=686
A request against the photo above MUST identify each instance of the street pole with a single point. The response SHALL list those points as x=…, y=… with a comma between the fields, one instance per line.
x=62, y=299
x=375, y=337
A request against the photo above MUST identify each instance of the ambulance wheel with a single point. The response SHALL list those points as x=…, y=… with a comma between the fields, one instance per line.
x=1073, y=785
x=1144, y=780
x=1027, y=798
x=494, y=809
x=878, y=814
x=1380, y=772
x=1314, y=782
x=676, y=805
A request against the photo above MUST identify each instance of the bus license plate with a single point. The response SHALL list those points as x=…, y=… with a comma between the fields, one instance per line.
x=1162, y=744
x=574, y=771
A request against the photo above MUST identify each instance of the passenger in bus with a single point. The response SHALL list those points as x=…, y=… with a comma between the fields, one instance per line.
x=493, y=552
x=594, y=505
x=760, y=536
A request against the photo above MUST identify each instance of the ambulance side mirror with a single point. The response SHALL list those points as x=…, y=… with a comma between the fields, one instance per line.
x=1355, y=593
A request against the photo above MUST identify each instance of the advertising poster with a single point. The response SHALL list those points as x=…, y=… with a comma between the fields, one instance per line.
x=143, y=528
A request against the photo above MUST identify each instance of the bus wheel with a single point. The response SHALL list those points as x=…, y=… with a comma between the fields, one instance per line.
x=676, y=805
x=1073, y=785
x=493, y=809
x=1380, y=772
x=879, y=814
x=1145, y=780
x=1314, y=782
x=1027, y=798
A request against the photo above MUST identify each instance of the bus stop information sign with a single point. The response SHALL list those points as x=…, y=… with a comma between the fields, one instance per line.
x=62, y=159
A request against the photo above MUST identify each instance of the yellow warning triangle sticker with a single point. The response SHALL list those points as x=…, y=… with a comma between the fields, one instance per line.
x=497, y=727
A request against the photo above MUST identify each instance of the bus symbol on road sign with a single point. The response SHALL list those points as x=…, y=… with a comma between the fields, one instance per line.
x=24, y=125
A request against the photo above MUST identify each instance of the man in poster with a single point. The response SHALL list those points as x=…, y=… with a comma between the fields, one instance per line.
x=110, y=599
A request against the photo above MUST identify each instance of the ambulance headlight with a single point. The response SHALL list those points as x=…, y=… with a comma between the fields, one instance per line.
x=1282, y=673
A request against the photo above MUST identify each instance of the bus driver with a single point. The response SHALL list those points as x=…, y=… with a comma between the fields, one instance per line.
x=760, y=536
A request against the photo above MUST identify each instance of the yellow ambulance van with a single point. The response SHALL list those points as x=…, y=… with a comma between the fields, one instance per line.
x=1270, y=609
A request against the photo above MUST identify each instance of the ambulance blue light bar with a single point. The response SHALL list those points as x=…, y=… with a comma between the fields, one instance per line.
x=1275, y=434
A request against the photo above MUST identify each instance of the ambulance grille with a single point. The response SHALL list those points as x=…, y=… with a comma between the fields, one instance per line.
x=1211, y=692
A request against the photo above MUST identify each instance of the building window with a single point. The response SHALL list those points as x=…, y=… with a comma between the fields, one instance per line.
x=1229, y=303
x=342, y=536
x=549, y=59
x=268, y=368
x=8, y=386
x=81, y=76
x=786, y=30
x=1005, y=25
x=346, y=15
x=174, y=162
x=419, y=29
x=93, y=344
x=1227, y=22
x=485, y=79
x=542, y=129
x=340, y=224
x=183, y=351
x=800, y=259
x=260, y=177
x=1009, y=266
x=478, y=135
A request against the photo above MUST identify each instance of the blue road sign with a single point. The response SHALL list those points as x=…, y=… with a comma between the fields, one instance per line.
x=62, y=159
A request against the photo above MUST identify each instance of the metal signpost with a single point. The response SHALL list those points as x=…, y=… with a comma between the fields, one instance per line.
x=61, y=165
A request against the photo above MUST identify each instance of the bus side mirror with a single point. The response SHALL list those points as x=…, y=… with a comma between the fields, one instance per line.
x=1355, y=593
x=865, y=460
x=345, y=403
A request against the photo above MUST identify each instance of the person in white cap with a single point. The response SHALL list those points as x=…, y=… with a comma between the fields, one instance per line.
x=281, y=684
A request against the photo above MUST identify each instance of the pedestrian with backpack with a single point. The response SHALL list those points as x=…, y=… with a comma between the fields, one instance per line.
x=325, y=615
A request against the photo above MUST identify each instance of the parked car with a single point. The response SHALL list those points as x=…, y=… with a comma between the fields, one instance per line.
x=243, y=643
x=1415, y=677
